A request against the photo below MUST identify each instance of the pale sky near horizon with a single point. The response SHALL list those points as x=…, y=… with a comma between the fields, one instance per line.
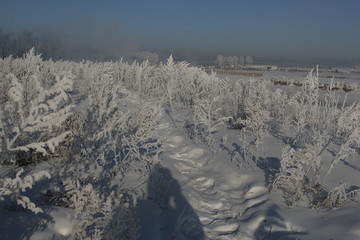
x=278, y=30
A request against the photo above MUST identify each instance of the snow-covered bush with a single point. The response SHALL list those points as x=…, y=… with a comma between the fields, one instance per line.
x=169, y=75
x=103, y=113
x=314, y=119
x=339, y=196
x=354, y=195
x=137, y=77
x=336, y=197
x=99, y=214
x=104, y=209
x=299, y=174
x=319, y=125
x=347, y=135
x=108, y=146
x=13, y=187
x=35, y=125
x=279, y=110
x=249, y=104
x=206, y=116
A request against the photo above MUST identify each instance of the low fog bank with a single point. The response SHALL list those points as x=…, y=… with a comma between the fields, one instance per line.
x=107, y=43
x=100, y=45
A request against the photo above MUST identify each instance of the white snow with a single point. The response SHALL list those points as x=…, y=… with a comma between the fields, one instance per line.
x=227, y=228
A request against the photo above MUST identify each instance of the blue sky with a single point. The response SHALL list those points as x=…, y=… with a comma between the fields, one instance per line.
x=279, y=30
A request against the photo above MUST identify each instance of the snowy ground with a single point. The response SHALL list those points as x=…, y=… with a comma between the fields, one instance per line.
x=207, y=192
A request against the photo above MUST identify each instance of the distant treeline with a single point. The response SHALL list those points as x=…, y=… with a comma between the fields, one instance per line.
x=17, y=44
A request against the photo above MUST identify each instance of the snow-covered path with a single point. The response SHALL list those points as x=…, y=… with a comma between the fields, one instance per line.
x=226, y=200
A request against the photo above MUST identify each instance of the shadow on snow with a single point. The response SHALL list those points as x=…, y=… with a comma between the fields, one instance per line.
x=166, y=214
x=273, y=220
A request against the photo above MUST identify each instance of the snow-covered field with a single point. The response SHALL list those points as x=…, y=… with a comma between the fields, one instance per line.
x=133, y=151
x=346, y=81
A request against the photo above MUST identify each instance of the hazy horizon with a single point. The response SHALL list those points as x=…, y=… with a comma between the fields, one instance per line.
x=306, y=32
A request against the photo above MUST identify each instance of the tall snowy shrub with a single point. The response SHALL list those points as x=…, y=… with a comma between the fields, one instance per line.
x=34, y=126
x=299, y=174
